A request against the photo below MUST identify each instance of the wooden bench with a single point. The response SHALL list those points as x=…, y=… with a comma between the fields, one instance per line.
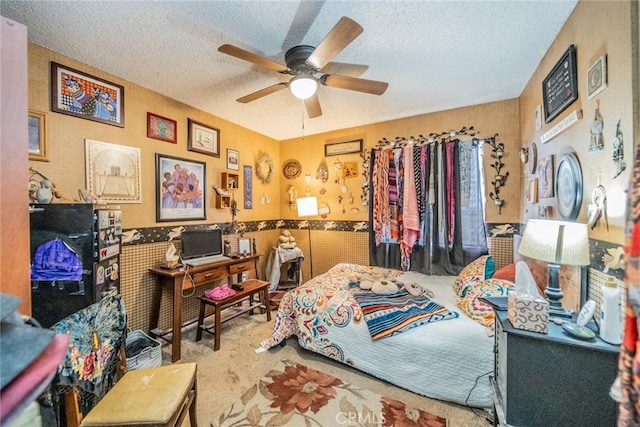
x=232, y=307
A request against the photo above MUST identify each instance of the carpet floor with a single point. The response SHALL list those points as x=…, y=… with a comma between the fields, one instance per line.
x=225, y=375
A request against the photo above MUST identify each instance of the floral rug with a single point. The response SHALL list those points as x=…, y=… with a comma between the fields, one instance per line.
x=292, y=394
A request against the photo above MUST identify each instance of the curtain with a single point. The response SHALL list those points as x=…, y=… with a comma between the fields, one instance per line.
x=426, y=207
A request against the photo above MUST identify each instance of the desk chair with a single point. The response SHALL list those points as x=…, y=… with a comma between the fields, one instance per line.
x=97, y=391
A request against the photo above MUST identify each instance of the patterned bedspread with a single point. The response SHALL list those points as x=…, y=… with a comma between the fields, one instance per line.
x=449, y=360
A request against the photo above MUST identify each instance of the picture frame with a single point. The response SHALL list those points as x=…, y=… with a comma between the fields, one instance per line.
x=181, y=189
x=597, y=77
x=113, y=172
x=248, y=186
x=560, y=87
x=162, y=128
x=203, y=138
x=244, y=246
x=546, y=177
x=532, y=191
x=37, y=136
x=233, y=159
x=339, y=148
x=79, y=94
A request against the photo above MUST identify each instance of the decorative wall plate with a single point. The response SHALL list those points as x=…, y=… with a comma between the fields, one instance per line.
x=533, y=157
x=291, y=169
x=569, y=187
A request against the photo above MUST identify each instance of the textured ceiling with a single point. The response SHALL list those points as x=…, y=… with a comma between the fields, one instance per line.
x=435, y=55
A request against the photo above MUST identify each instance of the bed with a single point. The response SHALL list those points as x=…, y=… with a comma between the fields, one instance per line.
x=450, y=359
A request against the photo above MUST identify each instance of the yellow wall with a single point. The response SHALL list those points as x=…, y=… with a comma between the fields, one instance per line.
x=488, y=119
x=595, y=28
x=66, y=135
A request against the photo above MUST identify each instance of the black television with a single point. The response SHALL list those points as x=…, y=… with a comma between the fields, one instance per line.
x=201, y=243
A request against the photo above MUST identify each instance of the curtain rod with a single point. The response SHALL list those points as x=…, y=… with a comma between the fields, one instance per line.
x=433, y=138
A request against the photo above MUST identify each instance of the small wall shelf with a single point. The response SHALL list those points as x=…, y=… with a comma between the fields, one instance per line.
x=230, y=181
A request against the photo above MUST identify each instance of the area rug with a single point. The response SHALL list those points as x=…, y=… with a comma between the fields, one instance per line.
x=292, y=394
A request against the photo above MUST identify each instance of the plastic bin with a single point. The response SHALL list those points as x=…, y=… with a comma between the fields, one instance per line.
x=142, y=351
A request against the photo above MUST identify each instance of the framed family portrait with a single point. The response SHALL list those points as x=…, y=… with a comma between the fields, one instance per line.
x=233, y=159
x=82, y=95
x=37, y=136
x=162, y=128
x=113, y=172
x=203, y=139
x=181, y=189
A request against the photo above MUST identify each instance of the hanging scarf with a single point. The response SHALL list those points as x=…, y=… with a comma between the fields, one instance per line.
x=393, y=197
x=451, y=190
x=410, y=213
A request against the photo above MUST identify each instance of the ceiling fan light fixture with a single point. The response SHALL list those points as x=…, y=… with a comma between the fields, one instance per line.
x=303, y=86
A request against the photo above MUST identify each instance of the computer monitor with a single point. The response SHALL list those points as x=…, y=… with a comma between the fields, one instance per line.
x=201, y=243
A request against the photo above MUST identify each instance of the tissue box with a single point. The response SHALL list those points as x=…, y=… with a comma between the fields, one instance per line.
x=530, y=314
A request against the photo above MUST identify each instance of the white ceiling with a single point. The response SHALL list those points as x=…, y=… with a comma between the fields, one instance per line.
x=435, y=55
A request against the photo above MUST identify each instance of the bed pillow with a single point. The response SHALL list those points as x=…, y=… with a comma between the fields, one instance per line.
x=474, y=273
x=479, y=310
x=508, y=272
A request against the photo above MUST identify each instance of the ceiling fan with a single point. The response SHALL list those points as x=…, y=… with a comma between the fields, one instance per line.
x=305, y=64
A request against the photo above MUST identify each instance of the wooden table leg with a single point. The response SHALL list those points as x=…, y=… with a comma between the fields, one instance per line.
x=155, y=309
x=176, y=335
x=265, y=301
x=216, y=324
x=203, y=307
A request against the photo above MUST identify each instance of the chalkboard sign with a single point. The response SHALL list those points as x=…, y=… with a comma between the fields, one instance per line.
x=560, y=87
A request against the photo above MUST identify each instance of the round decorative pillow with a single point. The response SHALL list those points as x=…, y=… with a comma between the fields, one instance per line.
x=384, y=287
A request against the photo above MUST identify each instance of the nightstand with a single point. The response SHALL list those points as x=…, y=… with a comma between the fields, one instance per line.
x=551, y=379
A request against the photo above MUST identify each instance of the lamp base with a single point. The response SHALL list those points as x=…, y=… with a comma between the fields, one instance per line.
x=554, y=293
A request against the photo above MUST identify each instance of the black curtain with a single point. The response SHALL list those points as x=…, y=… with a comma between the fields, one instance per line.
x=440, y=251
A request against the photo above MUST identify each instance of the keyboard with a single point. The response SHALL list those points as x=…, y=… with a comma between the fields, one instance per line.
x=195, y=262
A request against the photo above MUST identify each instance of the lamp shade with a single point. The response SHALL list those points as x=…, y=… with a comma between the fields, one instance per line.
x=307, y=206
x=303, y=86
x=558, y=242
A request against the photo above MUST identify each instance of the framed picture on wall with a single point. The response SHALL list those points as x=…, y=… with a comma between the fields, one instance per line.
x=532, y=191
x=546, y=174
x=203, y=139
x=181, y=189
x=37, y=136
x=81, y=95
x=560, y=87
x=597, y=77
x=233, y=159
x=113, y=172
x=162, y=128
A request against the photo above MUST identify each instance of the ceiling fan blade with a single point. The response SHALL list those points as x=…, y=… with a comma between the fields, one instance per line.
x=352, y=83
x=262, y=92
x=313, y=106
x=343, y=33
x=252, y=57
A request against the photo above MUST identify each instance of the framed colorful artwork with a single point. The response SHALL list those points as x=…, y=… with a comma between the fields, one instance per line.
x=203, y=139
x=248, y=186
x=162, y=128
x=181, y=189
x=233, y=159
x=546, y=174
x=37, y=136
x=113, y=172
x=81, y=95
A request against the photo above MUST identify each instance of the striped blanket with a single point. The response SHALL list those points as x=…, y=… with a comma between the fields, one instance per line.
x=387, y=315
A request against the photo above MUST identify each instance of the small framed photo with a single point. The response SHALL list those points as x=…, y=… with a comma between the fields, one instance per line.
x=244, y=246
x=161, y=128
x=81, y=95
x=203, y=139
x=532, y=191
x=37, y=136
x=597, y=77
x=233, y=159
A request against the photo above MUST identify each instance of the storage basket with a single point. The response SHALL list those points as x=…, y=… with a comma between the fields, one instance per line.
x=142, y=351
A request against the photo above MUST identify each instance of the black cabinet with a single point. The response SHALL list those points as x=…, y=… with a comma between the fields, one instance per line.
x=552, y=379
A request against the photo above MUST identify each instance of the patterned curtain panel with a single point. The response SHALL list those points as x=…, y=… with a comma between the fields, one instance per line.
x=426, y=207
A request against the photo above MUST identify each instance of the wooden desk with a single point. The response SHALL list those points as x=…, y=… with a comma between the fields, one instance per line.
x=250, y=288
x=177, y=280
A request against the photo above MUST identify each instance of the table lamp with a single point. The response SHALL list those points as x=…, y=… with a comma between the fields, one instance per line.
x=308, y=207
x=556, y=242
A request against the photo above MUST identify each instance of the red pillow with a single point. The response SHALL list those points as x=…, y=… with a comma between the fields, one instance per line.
x=508, y=272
